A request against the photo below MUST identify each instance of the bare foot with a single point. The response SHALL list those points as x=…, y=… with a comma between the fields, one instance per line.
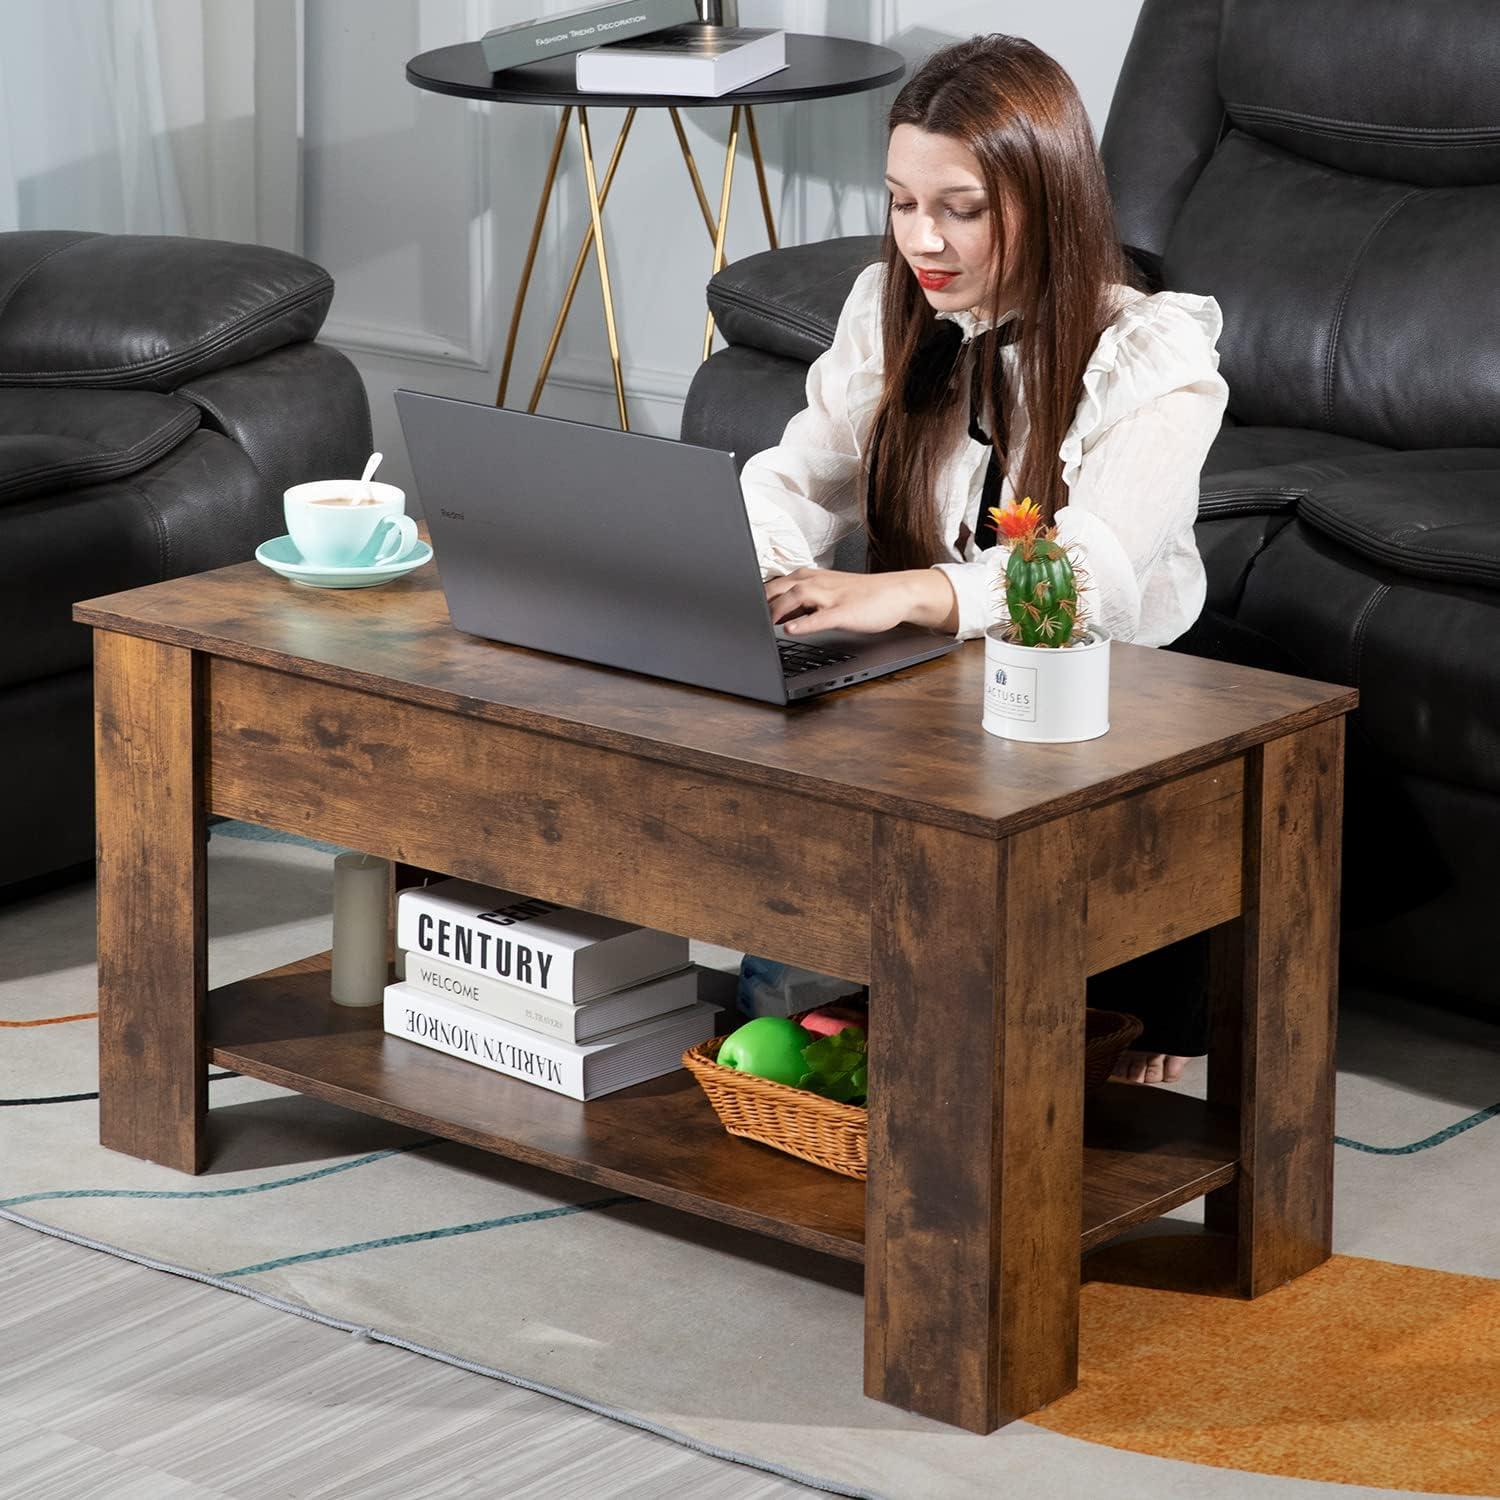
x=1148, y=1067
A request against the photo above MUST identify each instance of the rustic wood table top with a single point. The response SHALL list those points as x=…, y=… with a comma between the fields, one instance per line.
x=909, y=744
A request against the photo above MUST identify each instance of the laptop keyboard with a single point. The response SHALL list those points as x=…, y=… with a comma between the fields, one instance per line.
x=797, y=658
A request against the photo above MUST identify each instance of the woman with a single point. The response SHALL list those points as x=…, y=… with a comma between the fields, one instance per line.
x=1002, y=349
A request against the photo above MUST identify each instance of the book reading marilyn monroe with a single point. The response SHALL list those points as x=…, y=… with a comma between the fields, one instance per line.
x=572, y=30
x=552, y=950
x=580, y=1070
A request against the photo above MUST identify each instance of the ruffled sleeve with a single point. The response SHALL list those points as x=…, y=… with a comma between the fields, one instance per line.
x=805, y=494
x=1152, y=404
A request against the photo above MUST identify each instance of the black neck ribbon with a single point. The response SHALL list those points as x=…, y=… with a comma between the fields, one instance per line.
x=935, y=366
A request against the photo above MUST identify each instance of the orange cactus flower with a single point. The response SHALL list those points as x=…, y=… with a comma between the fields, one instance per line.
x=1015, y=521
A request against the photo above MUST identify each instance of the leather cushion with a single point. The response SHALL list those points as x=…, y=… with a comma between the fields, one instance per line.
x=1246, y=447
x=1441, y=523
x=147, y=310
x=199, y=507
x=1355, y=306
x=1422, y=655
x=59, y=439
x=1404, y=91
x=788, y=301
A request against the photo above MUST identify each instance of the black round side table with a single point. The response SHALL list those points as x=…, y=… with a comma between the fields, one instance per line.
x=818, y=67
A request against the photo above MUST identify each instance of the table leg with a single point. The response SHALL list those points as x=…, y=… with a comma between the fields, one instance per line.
x=579, y=261
x=599, y=255
x=974, y=1203
x=697, y=182
x=760, y=176
x=153, y=1055
x=723, y=226
x=536, y=236
x=1275, y=977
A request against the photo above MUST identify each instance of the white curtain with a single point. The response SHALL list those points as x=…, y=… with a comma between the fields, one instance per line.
x=153, y=117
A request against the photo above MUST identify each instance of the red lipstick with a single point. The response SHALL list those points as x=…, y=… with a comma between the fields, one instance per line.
x=935, y=281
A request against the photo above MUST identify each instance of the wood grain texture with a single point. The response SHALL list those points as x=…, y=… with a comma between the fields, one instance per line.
x=153, y=1067
x=909, y=744
x=1164, y=863
x=1289, y=943
x=976, y=1011
x=751, y=867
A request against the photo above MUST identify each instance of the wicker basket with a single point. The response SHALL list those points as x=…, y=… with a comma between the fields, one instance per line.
x=834, y=1135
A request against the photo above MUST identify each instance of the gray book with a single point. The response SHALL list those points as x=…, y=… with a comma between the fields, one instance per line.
x=572, y=30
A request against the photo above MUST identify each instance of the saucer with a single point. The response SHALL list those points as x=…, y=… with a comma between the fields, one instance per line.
x=280, y=555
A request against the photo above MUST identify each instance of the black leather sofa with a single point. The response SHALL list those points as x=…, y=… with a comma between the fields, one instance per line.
x=156, y=396
x=1331, y=174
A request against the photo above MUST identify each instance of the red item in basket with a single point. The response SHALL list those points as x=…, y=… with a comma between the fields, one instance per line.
x=829, y=1020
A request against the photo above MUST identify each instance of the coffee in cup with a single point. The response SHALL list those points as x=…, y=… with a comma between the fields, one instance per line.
x=342, y=523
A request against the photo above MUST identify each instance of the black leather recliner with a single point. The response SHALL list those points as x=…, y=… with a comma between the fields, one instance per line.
x=156, y=396
x=1331, y=174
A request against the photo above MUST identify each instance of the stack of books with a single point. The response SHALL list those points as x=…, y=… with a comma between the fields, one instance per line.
x=641, y=47
x=576, y=1003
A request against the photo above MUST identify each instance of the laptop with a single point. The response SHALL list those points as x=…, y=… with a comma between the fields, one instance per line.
x=617, y=548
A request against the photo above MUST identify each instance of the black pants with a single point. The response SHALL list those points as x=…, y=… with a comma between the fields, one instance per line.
x=1168, y=989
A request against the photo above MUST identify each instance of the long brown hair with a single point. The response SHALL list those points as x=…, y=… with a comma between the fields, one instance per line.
x=1020, y=114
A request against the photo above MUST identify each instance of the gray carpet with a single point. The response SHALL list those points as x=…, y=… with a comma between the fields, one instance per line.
x=722, y=1340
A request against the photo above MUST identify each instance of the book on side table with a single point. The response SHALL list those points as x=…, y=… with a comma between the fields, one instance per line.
x=700, y=62
x=571, y=30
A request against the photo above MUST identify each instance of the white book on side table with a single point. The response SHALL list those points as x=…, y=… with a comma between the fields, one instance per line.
x=569, y=1023
x=581, y=1070
x=700, y=62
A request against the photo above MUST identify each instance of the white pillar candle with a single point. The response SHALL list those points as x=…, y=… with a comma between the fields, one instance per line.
x=361, y=893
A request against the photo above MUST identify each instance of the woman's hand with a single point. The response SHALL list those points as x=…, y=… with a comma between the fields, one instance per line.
x=813, y=599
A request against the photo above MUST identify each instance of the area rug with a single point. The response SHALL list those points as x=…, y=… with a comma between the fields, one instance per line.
x=1377, y=1373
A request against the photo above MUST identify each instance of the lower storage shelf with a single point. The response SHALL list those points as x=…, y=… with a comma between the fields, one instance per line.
x=1146, y=1150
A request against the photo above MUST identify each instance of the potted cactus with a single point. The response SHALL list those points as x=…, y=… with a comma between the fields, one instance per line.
x=1046, y=674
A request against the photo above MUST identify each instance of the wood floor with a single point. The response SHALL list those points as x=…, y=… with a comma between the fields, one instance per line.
x=118, y=1382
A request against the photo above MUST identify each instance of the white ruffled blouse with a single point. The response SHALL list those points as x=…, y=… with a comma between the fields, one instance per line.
x=1152, y=404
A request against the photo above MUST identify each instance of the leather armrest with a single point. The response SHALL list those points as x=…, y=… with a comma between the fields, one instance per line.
x=150, y=311
x=299, y=413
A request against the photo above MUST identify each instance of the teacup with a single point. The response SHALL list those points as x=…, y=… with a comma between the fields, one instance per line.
x=335, y=524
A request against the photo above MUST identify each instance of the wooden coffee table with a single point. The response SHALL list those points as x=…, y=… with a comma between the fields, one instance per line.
x=877, y=833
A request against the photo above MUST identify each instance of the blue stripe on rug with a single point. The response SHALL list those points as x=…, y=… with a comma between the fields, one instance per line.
x=1478, y=1118
x=234, y=829
x=234, y=1192
x=431, y=1234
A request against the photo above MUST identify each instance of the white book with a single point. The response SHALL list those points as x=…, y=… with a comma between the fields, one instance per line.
x=570, y=1023
x=697, y=61
x=551, y=950
x=581, y=1070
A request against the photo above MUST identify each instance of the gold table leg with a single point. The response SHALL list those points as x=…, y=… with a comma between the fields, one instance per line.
x=760, y=177
x=594, y=236
x=692, y=166
x=609, y=303
x=578, y=265
x=536, y=235
x=729, y=152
